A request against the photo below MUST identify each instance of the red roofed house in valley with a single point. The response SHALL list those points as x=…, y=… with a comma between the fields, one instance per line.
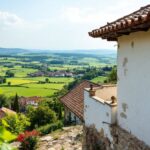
x=5, y=111
x=129, y=128
x=73, y=102
x=25, y=101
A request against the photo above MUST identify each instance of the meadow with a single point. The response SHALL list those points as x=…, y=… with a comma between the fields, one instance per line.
x=31, y=87
x=23, y=64
x=99, y=79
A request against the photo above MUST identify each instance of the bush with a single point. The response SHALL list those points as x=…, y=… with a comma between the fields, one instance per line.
x=50, y=127
x=4, y=101
x=40, y=116
x=5, y=138
x=15, y=123
x=28, y=140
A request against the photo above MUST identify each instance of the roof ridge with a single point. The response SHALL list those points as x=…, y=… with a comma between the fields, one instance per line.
x=138, y=20
x=78, y=85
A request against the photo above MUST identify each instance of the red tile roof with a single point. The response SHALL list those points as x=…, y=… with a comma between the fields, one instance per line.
x=74, y=99
x=7, y=111
x=136, y=21
x=25, y=100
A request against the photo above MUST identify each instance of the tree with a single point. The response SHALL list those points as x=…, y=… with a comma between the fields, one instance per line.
x=2, y=80
x=53, y=104
x=15, y=105
x=40, y=116
x=9, y=83
x=112, y=76
x=47, y=80
x=4, y=101
x=9, y=74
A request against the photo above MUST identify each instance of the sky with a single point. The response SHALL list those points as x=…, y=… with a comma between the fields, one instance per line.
x=59, y=24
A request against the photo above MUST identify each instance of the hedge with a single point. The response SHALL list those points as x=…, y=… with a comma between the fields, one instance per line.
x=50, y=127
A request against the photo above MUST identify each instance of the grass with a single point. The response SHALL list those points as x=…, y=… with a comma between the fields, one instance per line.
x=99, y=79
x=52, y=79
x=30, y=86
x=17, y=70
x=24, y=91
x=18, y=81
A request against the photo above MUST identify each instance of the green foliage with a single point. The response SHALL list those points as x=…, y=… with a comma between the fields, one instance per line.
x=47, y=80
x=9, y=83
x=53, y=104
x=40, y=116
x=99, y=79
x=15, y=123
x=46, y=129
x=112, y=76
x=4, y=101
x=30, y=87
x=9, y=73
x=2, y=80
x=92, y=73
x=15, y=103
x=5, y=138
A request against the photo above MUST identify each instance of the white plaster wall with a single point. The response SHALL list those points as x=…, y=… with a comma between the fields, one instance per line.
x=96, y=113
x=134, y=84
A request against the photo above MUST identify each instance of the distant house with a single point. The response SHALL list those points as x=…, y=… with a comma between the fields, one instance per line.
x=131, y=129
x=73, y=102
x=25, y=101
x=5, y=111
x=36, y=74
x=60, y=73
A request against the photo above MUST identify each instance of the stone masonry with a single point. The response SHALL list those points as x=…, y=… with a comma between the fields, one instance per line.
x=121, y=140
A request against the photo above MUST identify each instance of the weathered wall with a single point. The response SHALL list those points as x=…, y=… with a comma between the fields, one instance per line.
x=134, y=84
x=122, y=140
x=97, y=112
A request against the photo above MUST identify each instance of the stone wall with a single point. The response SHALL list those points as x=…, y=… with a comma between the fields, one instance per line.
x=121, y=140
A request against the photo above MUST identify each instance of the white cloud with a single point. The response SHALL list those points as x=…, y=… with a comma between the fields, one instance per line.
x=8, y=19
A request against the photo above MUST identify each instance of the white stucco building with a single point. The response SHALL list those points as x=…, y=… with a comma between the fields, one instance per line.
x=100, y=108
x=132, y=33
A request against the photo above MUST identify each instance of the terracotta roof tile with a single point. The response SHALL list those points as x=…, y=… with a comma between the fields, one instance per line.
x=136, y=21
x=7, y=111
x=74, y=99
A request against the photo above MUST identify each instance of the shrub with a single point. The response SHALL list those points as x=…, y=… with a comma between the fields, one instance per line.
x=28, y=140
x=40, y=116
x=5, y=138
x=50, y=127
x=4, y=101
x=15, y=123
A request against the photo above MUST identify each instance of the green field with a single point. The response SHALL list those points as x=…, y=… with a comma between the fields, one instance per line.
x=99, y=79
x=31, y=87
x=22, y=64
x=18, y=70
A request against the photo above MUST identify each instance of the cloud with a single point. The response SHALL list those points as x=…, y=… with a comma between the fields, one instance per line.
x=8, y=19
